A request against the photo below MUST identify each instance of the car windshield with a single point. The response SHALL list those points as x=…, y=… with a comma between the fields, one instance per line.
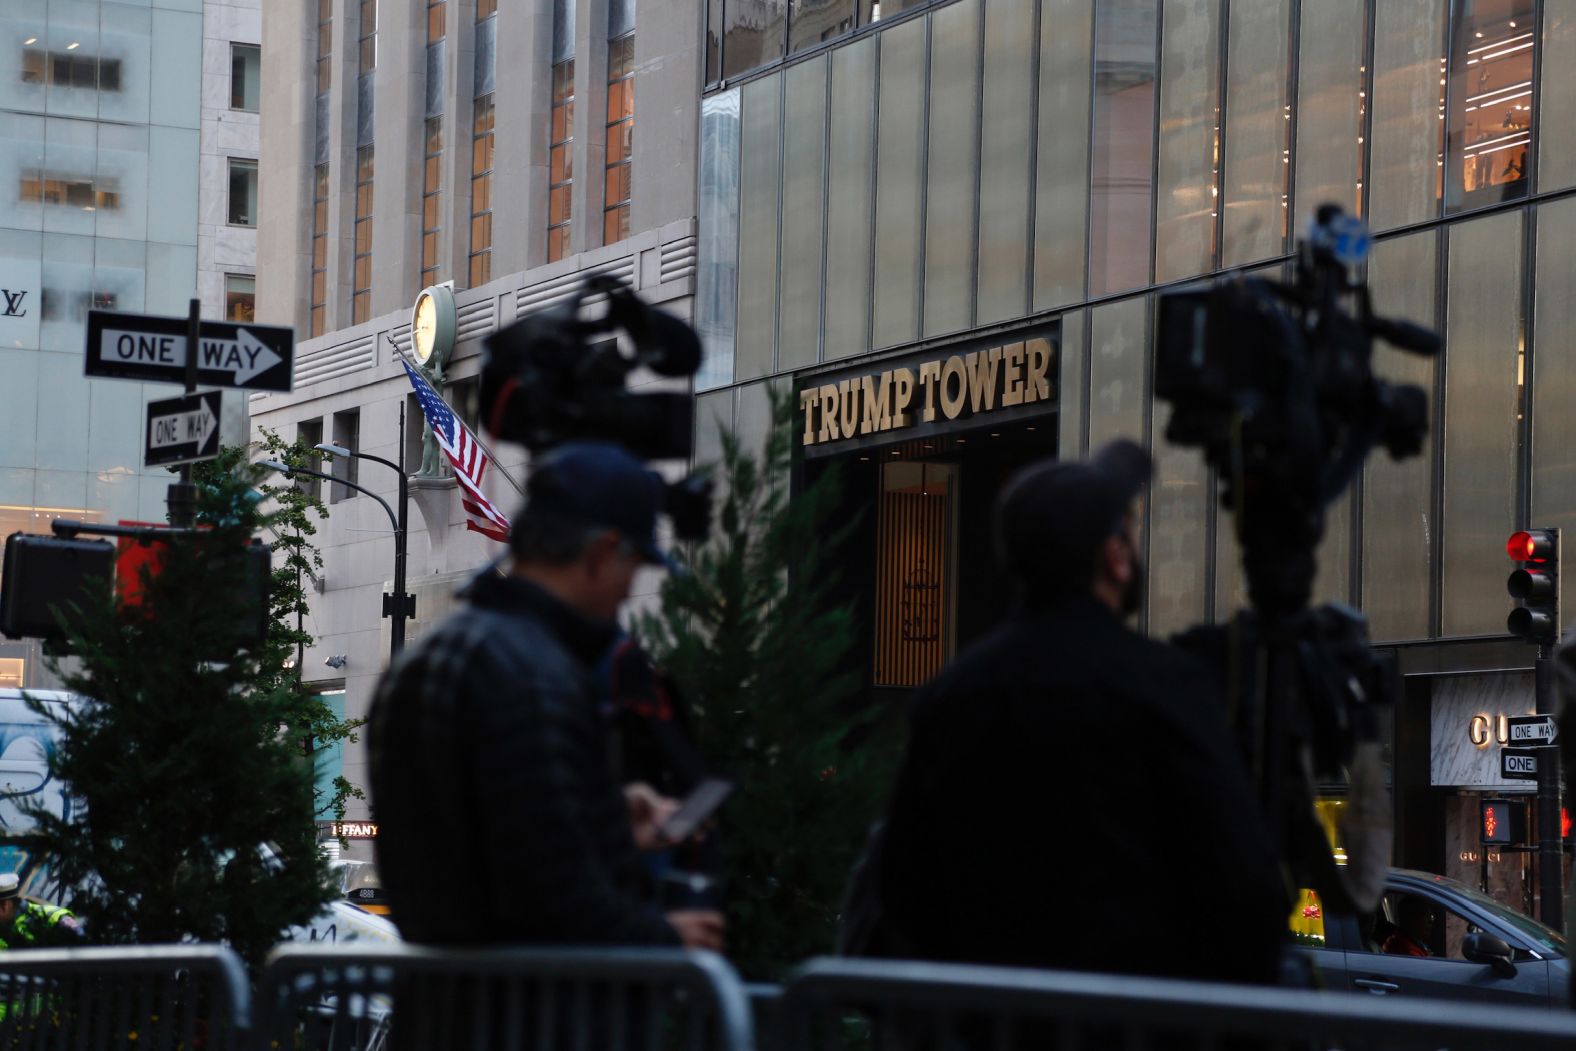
x=1540, y=936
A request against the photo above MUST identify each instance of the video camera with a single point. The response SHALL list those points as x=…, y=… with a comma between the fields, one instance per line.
x=1274, y=383
x=561, y=375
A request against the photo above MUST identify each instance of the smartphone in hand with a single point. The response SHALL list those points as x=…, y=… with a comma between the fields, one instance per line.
x=697, y=809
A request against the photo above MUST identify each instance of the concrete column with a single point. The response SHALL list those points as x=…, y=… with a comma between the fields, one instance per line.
x=522, y=107
x=289, y=43
x=668, y=74
x=399, y=117
x=459, y=78
x=590, y=123
x=341, y=164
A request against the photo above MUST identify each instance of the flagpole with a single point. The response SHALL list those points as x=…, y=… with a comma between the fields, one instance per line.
x=474, y=436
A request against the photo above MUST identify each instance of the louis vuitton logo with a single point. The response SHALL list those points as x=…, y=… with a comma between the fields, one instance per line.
x=13, y=302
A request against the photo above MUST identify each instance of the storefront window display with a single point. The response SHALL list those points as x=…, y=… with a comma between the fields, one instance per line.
x=1492, y=57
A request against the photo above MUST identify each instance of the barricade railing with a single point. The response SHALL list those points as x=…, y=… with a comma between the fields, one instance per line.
x=907, y=1005
x=411, y=998
x=148, y=998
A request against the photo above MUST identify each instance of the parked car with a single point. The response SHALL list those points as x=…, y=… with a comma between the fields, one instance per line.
x=1477, y=948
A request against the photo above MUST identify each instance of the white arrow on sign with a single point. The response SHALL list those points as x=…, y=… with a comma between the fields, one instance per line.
x=184, y=428
x=246, y=356
x=1532, y=730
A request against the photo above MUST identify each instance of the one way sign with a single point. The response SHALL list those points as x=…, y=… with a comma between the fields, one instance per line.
x=153, y=348
x=182, y=430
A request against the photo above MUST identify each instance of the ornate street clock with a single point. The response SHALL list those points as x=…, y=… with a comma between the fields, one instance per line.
x=432, y=327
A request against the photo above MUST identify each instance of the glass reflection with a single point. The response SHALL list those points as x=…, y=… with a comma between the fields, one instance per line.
x=1124, y=133
x=754, y=34
x=816, y=21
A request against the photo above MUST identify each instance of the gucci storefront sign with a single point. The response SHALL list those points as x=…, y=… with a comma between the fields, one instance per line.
x=926, y=395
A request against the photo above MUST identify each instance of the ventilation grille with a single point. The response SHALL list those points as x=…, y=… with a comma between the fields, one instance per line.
x=678, y=259
x=342, y=359
x=547, y=294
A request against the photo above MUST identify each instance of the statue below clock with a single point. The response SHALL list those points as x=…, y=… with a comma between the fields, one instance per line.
x=432, y=331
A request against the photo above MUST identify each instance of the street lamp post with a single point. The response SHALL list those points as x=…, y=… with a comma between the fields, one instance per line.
x=398, y=606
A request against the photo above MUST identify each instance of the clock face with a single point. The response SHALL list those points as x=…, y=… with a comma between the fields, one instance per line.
x=424, y=328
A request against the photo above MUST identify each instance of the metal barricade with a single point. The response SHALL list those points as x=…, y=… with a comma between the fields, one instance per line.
x=895, y=1005
x=413, y=998
x=149, y=998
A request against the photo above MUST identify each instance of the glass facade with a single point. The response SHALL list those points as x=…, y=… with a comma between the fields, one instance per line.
x=944, y=169
x=99, y=120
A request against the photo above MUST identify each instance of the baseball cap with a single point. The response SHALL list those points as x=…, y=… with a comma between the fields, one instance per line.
x=601, y=484
x=1051, y=516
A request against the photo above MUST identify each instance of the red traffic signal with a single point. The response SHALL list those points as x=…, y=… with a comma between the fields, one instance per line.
x=1535, y=584
x=1532, y=545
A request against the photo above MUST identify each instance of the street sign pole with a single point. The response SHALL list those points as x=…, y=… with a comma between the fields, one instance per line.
x=182, y=496
x=1551, y=891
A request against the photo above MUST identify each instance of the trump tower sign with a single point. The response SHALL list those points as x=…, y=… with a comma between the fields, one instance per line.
x=931, y=392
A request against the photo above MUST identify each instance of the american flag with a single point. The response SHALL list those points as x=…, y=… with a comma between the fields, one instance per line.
x=465, y=453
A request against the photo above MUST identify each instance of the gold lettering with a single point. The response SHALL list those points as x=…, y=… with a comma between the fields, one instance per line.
x=878, y=406
x=829, y=432
x=849, y=392
x=982, y=379
x=929, y=373
x=1037, y=387
x=952, y=401
x=902, y=397
x=1502, y=729
x=1477, y=730
x=809, y=398
x=1012, y=382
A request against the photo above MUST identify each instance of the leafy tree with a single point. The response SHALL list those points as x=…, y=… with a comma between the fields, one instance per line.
x=289, y=531
x=752, y=636
x=197, y=820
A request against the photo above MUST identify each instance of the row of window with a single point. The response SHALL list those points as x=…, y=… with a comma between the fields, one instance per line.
x=240, y=301
x=94, y=193
x=617, y=179
x=72, y=69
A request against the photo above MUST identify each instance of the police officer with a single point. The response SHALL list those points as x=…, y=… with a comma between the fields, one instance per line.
x=28, y=924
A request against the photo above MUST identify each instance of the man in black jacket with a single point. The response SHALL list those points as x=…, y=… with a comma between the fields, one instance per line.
x=500, y=818
x=1071, y=797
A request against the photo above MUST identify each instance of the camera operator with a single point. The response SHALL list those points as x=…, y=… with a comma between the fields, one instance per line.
x=1071, y=796
x=488, y=751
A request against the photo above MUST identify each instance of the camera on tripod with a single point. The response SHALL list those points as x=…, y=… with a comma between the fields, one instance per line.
x=1274, y=382
x=562, y=375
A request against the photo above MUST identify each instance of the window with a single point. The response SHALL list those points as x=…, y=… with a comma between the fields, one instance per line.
x=368, y=47
x=481, y=191
x=68, y=69
x=361, y=292
x=560, y=160
x=240, y=297
x=436, y=20
x=485, y=9
x=310, y=434
x=243, y=192
x=620, y=137
x=246, y=75
x=74, y=191
x=431, y=202
x=347, y=435
x=319, y=300
x=325, y=45
x=1492, y=56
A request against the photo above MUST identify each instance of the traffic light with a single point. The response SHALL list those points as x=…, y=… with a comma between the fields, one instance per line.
x=1503, y=822
x=1536, y=584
